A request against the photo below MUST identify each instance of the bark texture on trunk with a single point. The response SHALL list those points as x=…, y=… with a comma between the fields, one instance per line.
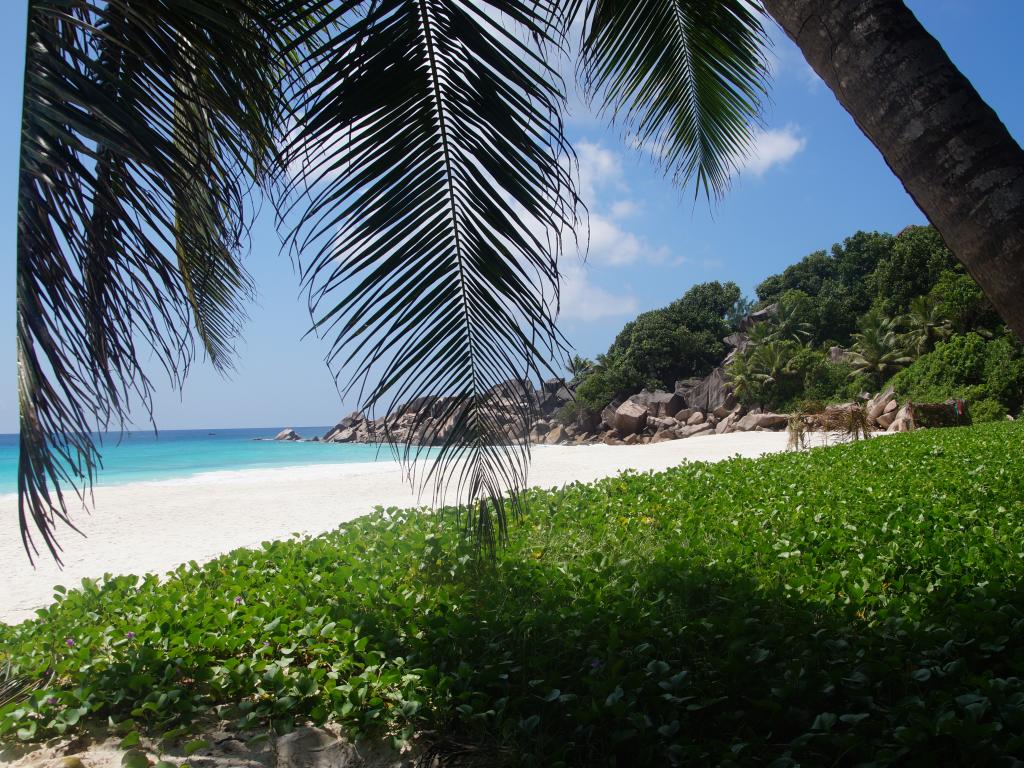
x=954, y=156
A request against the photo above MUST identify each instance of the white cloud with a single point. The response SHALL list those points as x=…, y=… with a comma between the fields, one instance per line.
x=582, y=300
x=623, y=209
x=610, y=244
x=607, y=242
x=599, y=168
x=771, y=148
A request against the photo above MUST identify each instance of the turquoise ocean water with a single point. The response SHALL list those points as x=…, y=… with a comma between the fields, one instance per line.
x=173, y=453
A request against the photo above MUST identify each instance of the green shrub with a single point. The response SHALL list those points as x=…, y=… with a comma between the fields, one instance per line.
x=987, y=409
x=567, y=413
x=844, y=606
x=610, y=380
x=829, y=382
x=968, y=367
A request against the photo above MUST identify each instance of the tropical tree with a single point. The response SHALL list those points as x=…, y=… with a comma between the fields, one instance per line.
x=790, y=323
x=771, y=360
x=926, y=324
x=738, y=312
x=578, y=367
x=416, y=155
x=960, y=164
x=762, y=333
x=746, y=380
x=878, y=349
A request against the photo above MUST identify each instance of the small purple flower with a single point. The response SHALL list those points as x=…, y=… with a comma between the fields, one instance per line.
x=52, y=701
x=130, y=635
x=69, y=642
x=238, y=600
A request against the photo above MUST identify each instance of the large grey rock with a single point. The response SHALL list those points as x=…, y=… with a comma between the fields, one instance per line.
x=288, y=435
x=513, y=389
x=341, y=436
x=760, y=316
x=660, y=422
x=723, y=410
x=886, y=419
x=877, y=405
x=587, y=420
x=694, y=429
x=903, y=420
x=352, y=421
x=659, y=403
x=711, y=392
x=727, y=424
x=739, y=343
x=630, y=418
x=696, y=418
x=754, y=421
x=314, y=748
x=608, y=415
x=555, y=435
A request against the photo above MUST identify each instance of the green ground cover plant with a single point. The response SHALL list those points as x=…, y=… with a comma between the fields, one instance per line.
x=855, y=605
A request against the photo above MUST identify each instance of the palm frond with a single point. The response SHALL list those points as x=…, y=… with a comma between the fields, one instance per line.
x=144, y=126
x=685, y=77
x=433, y=186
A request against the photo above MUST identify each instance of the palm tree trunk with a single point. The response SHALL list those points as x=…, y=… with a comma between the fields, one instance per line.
x=945, y=144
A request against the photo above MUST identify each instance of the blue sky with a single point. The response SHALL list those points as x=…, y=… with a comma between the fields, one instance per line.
x=813, y=181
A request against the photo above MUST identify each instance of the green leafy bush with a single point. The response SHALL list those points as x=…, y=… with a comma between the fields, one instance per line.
x=968, y=367
x=987, y=409
x=681, y=340
x=844, y=606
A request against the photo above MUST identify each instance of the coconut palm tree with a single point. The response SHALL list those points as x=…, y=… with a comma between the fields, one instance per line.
x=878, y=349
x=762, y=333
x=789, y=327
x=415, y=152
x=771, y=360
x=926, y=324
x=746, y=380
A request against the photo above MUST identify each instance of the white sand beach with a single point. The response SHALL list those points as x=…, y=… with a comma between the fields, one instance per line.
x=155, y=526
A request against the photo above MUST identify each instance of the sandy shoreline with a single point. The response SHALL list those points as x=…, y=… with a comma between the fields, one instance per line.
x=155, y=526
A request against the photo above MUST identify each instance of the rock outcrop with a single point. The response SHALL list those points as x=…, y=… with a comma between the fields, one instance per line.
x=754, y=421
x=876, y=406
x=709, y=393
x=630, y=418
x=760, y=316
x=659, y=403
x=288, y=435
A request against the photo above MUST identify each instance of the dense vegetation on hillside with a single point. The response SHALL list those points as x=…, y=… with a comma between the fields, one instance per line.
x=675, y=342
x=880, y=303
x=857, y=603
